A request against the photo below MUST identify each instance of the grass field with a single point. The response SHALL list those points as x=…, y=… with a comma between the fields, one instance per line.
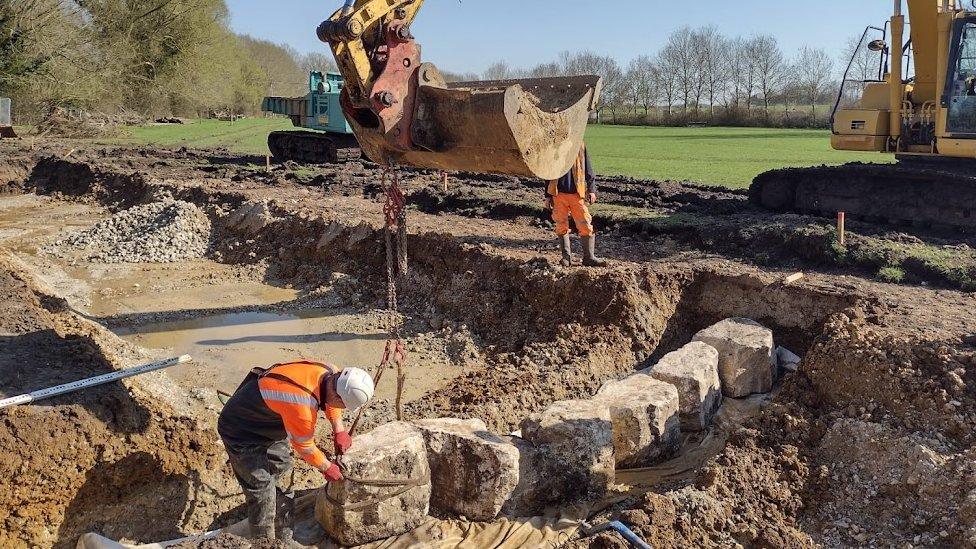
x=722, y=156
x=725, y=156
x=249, y=135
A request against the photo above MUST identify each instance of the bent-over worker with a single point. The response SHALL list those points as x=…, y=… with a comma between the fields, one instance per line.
x=569, y=195
x=279, y=406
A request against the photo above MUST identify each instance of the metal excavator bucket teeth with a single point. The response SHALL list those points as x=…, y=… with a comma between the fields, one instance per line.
x=525, y=128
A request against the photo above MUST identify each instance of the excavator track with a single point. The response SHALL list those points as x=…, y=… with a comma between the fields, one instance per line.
x=908, y=192
x=314, y=147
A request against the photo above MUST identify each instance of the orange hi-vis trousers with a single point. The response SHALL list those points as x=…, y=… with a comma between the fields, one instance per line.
x=566, y=204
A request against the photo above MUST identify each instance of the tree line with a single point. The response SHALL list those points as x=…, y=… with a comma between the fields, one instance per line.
x=701, y=75
x=147, y=57
x=180, y=57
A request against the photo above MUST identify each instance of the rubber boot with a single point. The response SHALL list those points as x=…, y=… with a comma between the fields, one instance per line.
x=566, y=248
x=589, y=253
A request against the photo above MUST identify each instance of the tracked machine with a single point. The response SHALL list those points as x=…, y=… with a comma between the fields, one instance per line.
x=404, y=113
x=326, y=137
x=927, y=121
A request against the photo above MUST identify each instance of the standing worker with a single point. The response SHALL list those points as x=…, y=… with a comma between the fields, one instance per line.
x=569, y=195
x=277, y=406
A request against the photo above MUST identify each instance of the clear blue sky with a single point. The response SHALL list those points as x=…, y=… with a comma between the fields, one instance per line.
x=469, y=35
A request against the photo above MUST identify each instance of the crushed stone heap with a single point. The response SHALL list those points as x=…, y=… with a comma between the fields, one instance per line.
x=159, y=232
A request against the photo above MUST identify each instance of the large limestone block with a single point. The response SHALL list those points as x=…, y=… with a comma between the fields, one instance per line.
x=574, y=450
x=531, y=495
x=473, y=471
x=354, y=513
x=646, y=423
x=746, y=363
x=693, y=370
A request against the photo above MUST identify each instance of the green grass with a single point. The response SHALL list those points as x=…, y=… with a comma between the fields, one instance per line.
x=722, y=156
x=729, y=157
x=247, y=136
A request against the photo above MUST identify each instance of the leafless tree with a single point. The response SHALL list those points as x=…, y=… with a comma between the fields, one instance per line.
x=681, y=57
x=643, y=78
x=317, y=61
x=714, y=72
x=544, y=70
x=587, y=62
x=499, y=70
x=770, y=66
x=814, y=73
x=668, y=80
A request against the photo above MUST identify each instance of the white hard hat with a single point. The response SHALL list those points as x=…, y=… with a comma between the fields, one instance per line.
x=355, y=388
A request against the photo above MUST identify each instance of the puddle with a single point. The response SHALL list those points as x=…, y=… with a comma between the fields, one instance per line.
x=226, y=346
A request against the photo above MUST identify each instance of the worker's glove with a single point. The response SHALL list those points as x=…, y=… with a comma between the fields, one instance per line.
x=591, y=198
x=343, y=442
x=332, y=474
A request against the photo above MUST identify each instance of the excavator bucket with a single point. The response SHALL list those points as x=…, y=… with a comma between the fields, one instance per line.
x=525, y=128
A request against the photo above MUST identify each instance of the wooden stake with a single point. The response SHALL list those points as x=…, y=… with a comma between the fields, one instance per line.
x=841, y=229
x=267, y=162
x=444, y=179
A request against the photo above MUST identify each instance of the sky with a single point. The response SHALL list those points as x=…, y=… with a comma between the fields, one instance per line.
x=470, y=35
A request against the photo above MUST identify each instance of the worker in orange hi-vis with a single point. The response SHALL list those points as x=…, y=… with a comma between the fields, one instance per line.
x=277, y=407
x=568, y=196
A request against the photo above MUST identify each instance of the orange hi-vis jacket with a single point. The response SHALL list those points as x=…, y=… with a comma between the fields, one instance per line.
x=580, y=178
x=299, y=408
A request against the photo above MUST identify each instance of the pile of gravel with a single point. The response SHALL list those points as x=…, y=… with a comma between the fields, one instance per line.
x=160, y=232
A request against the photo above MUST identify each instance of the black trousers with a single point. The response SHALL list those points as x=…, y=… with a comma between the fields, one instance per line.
x=260, y=470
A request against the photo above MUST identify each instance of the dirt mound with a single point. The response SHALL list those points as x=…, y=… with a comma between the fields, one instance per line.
x=159, y=232
x=884, y=487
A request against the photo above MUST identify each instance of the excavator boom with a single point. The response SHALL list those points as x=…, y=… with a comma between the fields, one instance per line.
x=404, y=112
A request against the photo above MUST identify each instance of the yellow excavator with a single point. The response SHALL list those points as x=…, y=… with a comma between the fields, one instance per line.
x=404, y=113
x=927, y=120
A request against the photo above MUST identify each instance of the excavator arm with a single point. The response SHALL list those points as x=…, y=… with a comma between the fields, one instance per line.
x=404, y=112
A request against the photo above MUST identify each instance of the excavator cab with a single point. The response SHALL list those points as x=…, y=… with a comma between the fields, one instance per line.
x=405, y=113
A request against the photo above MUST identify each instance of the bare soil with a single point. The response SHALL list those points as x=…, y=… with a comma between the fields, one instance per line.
x=870, y=443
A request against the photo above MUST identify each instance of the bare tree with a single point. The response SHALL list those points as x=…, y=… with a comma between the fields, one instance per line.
x=587, y=62
x=681, y=56
x=668, y=79
x=770, y=67
x=500, y=70
x=814, y=71
x=544, y=70
x=614, y=85
x=712, y=47
x=317, y=61
x=746, y=69
x=642, y=75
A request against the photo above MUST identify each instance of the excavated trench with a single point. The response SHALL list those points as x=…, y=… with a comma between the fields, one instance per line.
x=495, y=335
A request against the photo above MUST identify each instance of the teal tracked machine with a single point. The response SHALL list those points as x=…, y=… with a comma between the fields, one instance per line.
x=326, y=136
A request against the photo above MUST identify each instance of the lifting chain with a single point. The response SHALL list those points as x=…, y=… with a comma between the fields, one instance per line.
x=395, y=353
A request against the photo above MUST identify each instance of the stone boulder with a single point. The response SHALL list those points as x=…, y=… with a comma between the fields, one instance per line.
x=693, y=370
x=531, y=495
x=250, y=218
x=644, y=413
x=746, y=363
x=354, y=511
x=473, y=471
x=574, y=454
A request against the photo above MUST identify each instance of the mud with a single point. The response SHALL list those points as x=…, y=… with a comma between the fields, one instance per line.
x=894, y=363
